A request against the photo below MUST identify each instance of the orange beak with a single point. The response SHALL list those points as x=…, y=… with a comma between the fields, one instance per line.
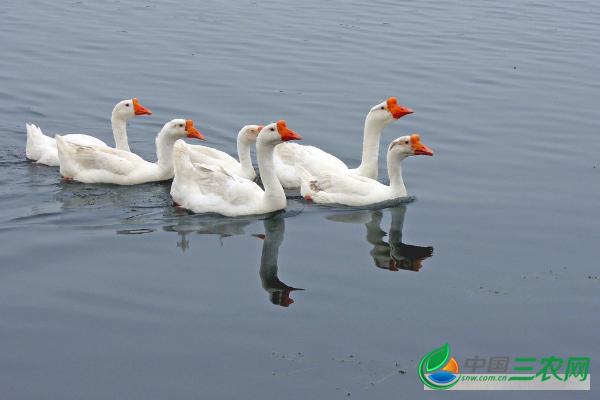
x=285, y=133
x=286, y=299
x=396, y=110
x=192, y=132
x=260, y=128
x=139, y=110
x=419, y=148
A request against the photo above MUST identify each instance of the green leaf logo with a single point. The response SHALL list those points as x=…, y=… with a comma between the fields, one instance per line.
x=437, y=358
x=434, y=360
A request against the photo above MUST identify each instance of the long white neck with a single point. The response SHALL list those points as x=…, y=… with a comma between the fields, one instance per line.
x=243, y=148
x=395, y=173
x=120, y=132
x=164, y=152
x=274, y=194
x=370, y=154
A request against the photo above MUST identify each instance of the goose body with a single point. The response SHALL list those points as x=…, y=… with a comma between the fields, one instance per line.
x=352, y=190
x=99, y=164
x=314, y=160
x=204, y=188
x=242, y=168
x=42, y=148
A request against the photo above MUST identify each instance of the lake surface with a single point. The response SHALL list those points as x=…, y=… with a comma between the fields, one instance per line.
x=111, y=292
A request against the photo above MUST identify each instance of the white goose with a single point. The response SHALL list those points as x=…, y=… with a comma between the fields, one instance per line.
x=353, y=190
x=42, y=148
x=206, y=188
x=97, y=164
x=313, y=159
x=243, y=168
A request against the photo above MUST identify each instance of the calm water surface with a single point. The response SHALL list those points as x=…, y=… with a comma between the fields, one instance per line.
x=112, y=292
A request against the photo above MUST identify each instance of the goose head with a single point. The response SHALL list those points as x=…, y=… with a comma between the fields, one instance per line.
x=408, y=146
x=180, y=128
x=129, y=108
x=388, y=111
x=276, y=133
x=250, y=133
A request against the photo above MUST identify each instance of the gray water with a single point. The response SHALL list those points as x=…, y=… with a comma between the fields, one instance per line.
x=111, y=292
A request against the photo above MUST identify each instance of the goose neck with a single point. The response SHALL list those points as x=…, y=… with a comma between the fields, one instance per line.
x=243, y=149
x=395, y=174
x=370, y=154
x=266, y=167
x=164, y=153
x=119, y=127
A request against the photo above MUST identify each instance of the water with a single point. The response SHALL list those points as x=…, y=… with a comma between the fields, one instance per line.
x=112, y=292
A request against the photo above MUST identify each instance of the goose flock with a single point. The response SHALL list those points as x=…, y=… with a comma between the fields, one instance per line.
x=208, y=180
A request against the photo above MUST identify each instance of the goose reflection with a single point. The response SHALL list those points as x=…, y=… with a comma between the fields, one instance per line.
x=279, y=292
x=222, y=227
x=392, y=255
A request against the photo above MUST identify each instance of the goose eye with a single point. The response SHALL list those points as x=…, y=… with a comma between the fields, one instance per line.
x=181, y=126
x=126, y=104
x=382, y=108
x=406, y=142
x=272, y=129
